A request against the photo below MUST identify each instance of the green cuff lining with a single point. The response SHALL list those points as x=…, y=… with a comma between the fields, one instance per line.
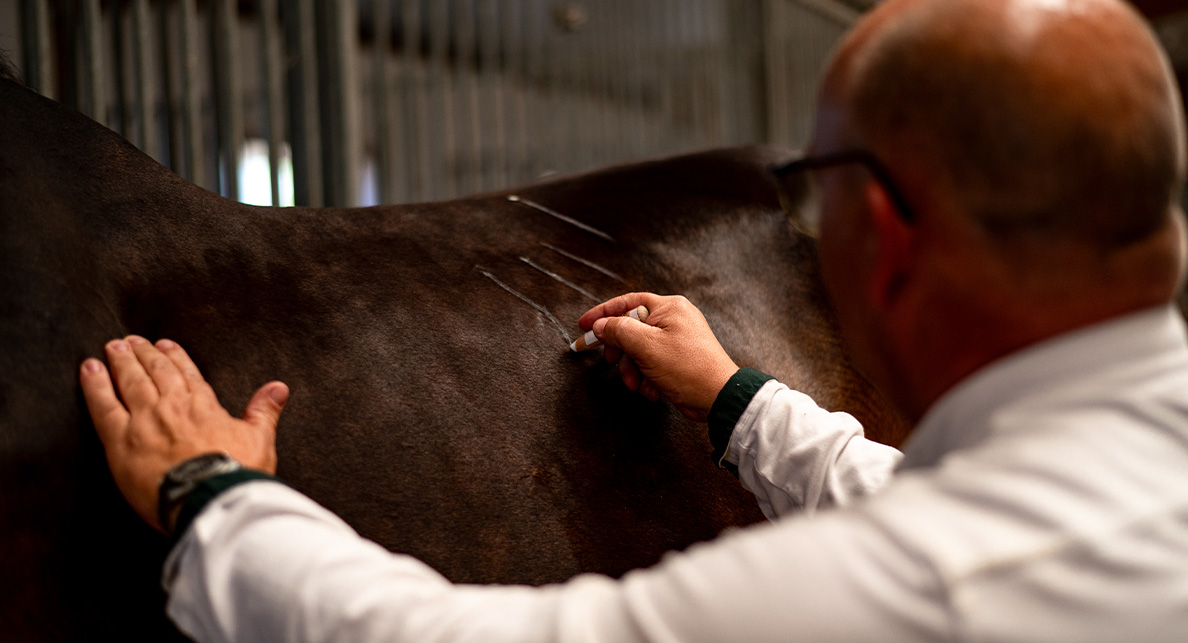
x=207, y=490
x=728, y=407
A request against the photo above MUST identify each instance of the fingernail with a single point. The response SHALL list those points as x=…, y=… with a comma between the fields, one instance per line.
x=165, y=344
x=91, y=365
x=278, y=395
x=118, y=345
x=599, y=324
x=135, y=339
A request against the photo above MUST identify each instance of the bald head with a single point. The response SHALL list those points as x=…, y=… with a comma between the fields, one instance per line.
x=1040, y=118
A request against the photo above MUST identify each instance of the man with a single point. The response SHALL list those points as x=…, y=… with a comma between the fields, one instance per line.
x=999, y=232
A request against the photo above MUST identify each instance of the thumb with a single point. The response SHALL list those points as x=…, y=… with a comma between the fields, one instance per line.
x=622, y=332
x=264, y=409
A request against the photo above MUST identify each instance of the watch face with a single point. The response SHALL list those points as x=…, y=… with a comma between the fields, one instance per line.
x=196, y=467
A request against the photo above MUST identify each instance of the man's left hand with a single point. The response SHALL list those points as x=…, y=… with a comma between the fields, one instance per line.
x=170, y=414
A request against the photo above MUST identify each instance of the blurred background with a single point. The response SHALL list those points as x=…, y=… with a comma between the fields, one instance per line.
x=360, y=102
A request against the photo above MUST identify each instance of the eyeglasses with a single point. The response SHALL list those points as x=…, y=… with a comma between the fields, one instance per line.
x=800, y=196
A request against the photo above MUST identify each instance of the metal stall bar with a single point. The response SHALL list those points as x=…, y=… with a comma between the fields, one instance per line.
x=517, y=84
x=89, y=59
x=538, y=114
x=270, y=79
x=385, y=171
x=416, y=102
x=493, y=85
x=142, y=39
x=228, y=94
x=119, y=36
x=466, y=74
x=555, y=152
x=441, y=115
x=166, y=45
x=339, y=101
x=191, y=97
x=776, y=72
x=35, y=45
x=304, y=119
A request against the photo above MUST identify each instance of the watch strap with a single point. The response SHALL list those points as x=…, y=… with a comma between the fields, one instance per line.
x=207, y=490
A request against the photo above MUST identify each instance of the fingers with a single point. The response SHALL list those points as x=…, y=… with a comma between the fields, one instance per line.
x=264, y=409
x=107, y=412
x=629, y=373
x=618, y=306
x=181, y=359
x=624, y=333
x=134, y=383
x=164, y=373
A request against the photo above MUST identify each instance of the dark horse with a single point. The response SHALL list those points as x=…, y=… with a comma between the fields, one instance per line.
x=435, y=406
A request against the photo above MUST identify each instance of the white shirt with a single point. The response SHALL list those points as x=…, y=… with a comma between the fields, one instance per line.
x=1044, y=498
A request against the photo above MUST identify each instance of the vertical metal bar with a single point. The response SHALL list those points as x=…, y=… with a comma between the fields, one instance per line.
x=90, y=81
x=379, y=95
x=555, y=153
x=776, y=74
x=517, y=82
x=416, y=100
x=165, y=44
x=35, y=43
x=339, y=102
x=442, y=116
x=493, y=79
x=270, y=80
x=191, y=97
x=304, y=119
x=123, y=117
x=535, y=22
x=142, y=39
x=577, y=149
x=466, y=71
x=228, y=96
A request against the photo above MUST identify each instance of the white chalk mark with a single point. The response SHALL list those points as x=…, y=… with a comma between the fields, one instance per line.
x=541, y=309
x=553, y=213
x=584, y=262
x=586, y=293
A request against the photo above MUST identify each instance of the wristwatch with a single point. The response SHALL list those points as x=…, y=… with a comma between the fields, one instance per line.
x=180, y=480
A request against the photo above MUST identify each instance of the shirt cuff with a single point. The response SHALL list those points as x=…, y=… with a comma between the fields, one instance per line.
x=728, y=407
x=207, y=490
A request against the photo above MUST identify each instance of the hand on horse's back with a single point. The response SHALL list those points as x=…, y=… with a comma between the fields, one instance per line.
x=170, y=414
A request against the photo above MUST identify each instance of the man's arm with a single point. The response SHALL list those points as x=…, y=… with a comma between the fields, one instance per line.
x=789, y=452
x=264, y=563
x=260, y=561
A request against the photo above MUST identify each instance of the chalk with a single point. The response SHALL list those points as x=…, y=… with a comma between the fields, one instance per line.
x=588, y=341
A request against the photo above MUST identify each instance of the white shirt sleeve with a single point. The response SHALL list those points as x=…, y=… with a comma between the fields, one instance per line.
x=795, y=456
x=264, y=563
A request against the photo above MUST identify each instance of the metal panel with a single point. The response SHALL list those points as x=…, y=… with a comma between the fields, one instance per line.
x=228, y=94
x=451, y=96
x=38, y=63
x=385, y=171
x=271, y=82
x=145, y=137
x=304, y=114
x=191, y=102
x=90, y=63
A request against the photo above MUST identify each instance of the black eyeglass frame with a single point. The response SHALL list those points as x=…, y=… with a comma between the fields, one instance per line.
x=845, y=157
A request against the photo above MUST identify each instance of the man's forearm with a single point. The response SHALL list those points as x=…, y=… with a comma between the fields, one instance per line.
x=792, y=454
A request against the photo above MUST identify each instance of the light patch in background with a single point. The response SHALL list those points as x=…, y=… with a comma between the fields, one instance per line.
x=255, y=182
x=368, y=184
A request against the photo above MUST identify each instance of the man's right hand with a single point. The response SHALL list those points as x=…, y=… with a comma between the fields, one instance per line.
x=675, y=354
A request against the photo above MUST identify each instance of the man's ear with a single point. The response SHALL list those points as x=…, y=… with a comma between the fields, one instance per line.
x=894, y=239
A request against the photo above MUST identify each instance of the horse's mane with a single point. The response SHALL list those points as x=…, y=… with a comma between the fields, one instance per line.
x=8, y=71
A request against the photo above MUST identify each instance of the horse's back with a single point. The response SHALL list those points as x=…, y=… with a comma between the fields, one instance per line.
x=435, y=405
